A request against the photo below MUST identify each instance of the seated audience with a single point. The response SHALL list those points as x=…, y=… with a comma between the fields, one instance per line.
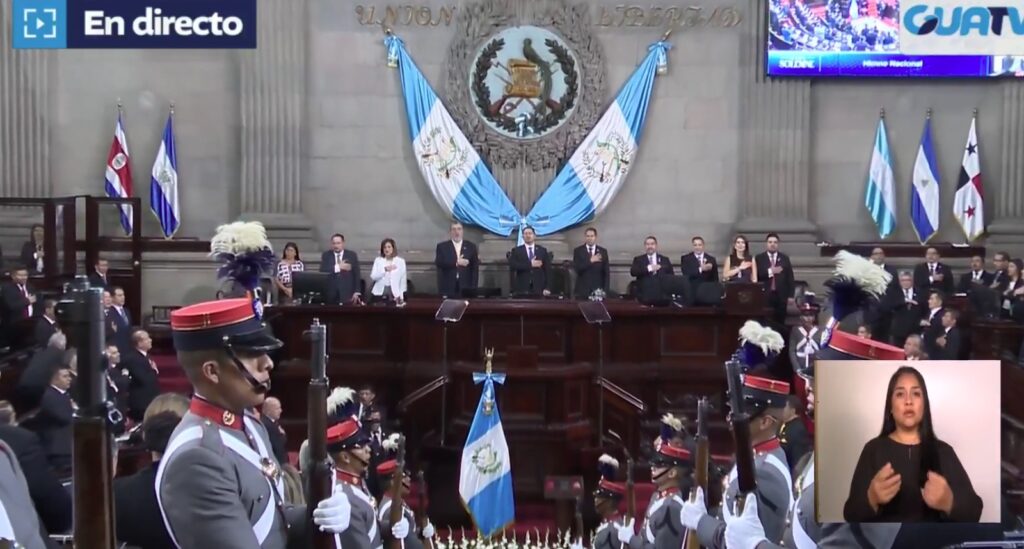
x=290, y=263
x=388, y=275
x=138, y=518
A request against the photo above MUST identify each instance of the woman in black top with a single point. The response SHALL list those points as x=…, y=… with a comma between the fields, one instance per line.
x=907, y=474
x=739, y=264
x=1011, y=291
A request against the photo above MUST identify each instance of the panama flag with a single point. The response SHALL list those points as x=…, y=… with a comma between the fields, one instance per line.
x=163, y=188
x=969, y=202
x=485, y=478
x=881, y=194
x=924, y=196
x=451, y=167
x=596, y=170
x=119, y=173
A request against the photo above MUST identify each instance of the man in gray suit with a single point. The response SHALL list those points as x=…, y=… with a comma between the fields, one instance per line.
x=19, y=522
x=218, y=484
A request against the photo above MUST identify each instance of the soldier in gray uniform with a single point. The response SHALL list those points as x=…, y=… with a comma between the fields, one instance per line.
x=387, y=472
x=764, y=399
x=670, y=469
x=19, y=523
x=607, y=498
x=349, y=447
x=218, y=484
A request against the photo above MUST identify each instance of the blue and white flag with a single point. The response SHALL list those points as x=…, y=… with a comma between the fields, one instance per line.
x=924, y=196
x=451, y=167
x=485, y=479
x=596, y=171
x=163, y=188
x=881, y=193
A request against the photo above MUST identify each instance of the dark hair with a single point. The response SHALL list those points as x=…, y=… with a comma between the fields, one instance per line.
x=114, y=289
x=386, y=241
x=867, y=327
x=31, y=232
x=100, y=258
x=1019, y=264
x=291, y=245
x=793, y=401
x=769, y=235
x=590, y=229
x=1004, y=255
x=937, y=294
x=952, y=312
x=696, y=238
x=49, y=302
x=651, y=237
x=157, y=430
x=926, y=431
x=529, y=228
x=339, y=235
x=746, y=247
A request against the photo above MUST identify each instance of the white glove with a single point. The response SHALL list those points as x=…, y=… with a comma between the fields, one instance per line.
x=428, y=530
x=578, y=544
x=692, y=512
x=333, y=514
x=625, y=531
x=744, y=531
x=401, y=529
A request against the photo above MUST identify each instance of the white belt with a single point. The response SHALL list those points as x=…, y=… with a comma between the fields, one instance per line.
x=774, y=462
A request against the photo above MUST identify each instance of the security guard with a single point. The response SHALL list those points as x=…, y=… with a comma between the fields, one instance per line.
x=387, y=471
x=218, y=484
x=607, y=497
x=670, y=468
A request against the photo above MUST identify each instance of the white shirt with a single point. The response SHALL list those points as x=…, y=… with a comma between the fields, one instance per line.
x=396, y=278
x=458, y=248
x=24, y=291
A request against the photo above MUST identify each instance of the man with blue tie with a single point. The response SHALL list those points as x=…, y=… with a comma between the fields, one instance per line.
x=531, y=266
x=119, y=321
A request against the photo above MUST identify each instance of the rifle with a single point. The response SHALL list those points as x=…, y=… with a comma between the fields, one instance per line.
x=395, y=513
x=321, y=469
x=80, y=313
x=700, y=471
x=740, y=420
x=427, y=542
x=630, y=485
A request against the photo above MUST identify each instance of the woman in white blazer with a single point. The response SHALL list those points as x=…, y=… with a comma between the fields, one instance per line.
x=388, y=274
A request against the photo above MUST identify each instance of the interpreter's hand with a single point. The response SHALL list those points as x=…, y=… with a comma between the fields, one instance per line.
x=625, y=531
x=693, y=511
x=936, y=493
x=401, y=529
x=884, y=486
x=744, y=531
x=333, y=514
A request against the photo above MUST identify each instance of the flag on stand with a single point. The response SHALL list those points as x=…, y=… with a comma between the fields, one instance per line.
x=599, y=166
x=485, y=478
x=163, y=189
x=969, y=202
x=881, y=193
x=924, y=196
x=119, y=173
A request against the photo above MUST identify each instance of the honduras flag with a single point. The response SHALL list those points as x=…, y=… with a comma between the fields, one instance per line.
x=881, y=194
x=485, y=480
x=596, y=171
x=924, y=196
x=451, y=167
x=163, y=188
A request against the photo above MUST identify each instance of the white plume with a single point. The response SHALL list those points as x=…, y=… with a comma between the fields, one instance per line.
x=239, y=237
x=869, y=277
x=391, y=443
x=672, y=421
x=339, y=397
x=764, y=337
x=608, y=460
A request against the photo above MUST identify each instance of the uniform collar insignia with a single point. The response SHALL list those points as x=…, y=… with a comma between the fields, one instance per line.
x=349, y=478
x=215, y=414
x=767, y=446
x=668, y=492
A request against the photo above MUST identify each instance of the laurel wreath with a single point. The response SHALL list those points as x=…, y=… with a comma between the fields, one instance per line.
x=482, y=92
x=486, y=460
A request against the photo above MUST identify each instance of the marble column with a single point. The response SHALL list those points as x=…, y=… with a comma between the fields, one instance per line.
x=24, y=116
x=775, y=119
x=1005, y=198
x=272, y=94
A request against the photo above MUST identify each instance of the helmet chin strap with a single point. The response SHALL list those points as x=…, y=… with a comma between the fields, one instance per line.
x=260, y=388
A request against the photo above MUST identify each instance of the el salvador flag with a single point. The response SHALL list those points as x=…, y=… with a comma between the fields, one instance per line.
x=485, y=479
x=163, y=188
x=451, y=167
x=924, y=196
x=596, y=171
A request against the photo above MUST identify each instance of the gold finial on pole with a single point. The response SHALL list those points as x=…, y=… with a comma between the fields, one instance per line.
x=488, y=357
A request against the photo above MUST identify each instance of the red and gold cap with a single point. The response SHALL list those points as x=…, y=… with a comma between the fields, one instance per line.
x=761, y=392
x=345, y=435
x=222, y=323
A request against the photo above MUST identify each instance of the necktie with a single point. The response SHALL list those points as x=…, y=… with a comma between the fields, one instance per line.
x=931, y=268
x=28, y=308
x=652, y=258
x=977, y=276
x=529, y=252
x=590, y=249
x=907, y=293
x=700, y=259
x=772, y=258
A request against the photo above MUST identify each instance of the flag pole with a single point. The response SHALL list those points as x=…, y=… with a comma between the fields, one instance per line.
x=928, y=114
x=168, y=237
x=881, y=113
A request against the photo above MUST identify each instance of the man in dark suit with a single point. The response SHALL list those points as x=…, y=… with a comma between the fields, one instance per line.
x=51, y=499
x=18, y=304
x=270, y=417
x=145, y=380
x=793, y=435
x=775, y=271
x=697, y=266
x=119, y=380
x=947, y=344
x=52, y=423
x=139, y=522
x=879, y=316
x=906, y=307
x=98, y=278
x=119, y=321
x=46, y=324
x=343, y=266
x=590, y=262
x=648, y=270
x=531, y=266
x=931, y=324
x=457, y=262
x=977, y=276
x=933, y=275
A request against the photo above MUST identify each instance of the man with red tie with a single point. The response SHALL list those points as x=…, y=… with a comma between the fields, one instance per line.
x=531, y=266
x=18, y=307
x=775, y=271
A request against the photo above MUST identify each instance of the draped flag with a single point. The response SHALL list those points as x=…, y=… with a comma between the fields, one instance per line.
x=924, y=196
x=163, y=188
x=485, y=478
x=596, y=170
x=451, y=167
x=118, y=177
x=881, y=193
x=969, y=202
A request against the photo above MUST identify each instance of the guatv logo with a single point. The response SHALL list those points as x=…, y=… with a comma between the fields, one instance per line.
x=194, y=24
x=962, y=27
